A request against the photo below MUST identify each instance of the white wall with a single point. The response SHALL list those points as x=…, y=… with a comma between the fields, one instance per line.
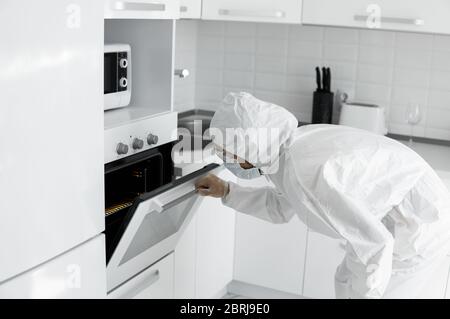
x=276, y=63
x=185, y=58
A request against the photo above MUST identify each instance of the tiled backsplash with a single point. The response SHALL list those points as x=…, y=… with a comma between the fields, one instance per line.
x=276, y=63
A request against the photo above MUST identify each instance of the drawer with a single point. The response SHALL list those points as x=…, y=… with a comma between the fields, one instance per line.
x=142, y=9
x=155, y=282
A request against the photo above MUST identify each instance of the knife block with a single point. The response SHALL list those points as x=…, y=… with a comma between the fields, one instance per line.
x=322, y=107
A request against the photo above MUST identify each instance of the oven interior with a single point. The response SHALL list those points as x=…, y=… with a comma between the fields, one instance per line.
x=127, y=179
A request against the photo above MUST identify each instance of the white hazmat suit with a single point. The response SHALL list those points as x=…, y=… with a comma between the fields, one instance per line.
x=378, y=195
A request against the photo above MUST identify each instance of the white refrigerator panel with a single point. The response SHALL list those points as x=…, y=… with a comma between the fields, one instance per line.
x=51, y=129
x=79, y=273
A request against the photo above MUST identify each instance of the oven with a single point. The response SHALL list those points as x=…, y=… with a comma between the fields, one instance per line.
x=146, y=210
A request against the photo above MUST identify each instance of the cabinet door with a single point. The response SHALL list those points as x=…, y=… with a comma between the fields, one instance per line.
x=282, y=11
x=185, y=262
x=142, y=9
x=215, y=246
x=323, y=256
x=51, y=129
x=270, y=255
x=79, y=273
x=190, y=9
x=411, y=15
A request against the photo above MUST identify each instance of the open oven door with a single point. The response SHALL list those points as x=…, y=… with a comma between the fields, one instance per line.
x=152, y=227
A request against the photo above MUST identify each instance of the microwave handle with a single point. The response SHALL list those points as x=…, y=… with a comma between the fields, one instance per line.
x=138, y=6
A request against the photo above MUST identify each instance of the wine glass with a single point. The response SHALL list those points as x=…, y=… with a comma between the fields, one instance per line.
x=413, y=117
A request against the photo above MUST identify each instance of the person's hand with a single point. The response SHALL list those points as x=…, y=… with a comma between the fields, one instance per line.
x=211, y=185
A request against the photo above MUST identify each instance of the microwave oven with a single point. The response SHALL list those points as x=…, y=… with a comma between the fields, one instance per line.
x=117, y=76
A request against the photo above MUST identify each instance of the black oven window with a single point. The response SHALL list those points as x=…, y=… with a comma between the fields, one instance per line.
x=110, y=82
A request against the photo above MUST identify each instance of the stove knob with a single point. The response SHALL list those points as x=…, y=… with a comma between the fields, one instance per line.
x=123, y=63
x=138, y=144
x=152, y=139
x=123, y=82
x=122, y=149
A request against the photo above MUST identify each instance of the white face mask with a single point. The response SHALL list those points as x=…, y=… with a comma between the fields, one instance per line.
x=242, y=173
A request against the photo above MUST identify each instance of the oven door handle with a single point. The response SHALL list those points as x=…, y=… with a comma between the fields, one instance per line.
x=180, y=199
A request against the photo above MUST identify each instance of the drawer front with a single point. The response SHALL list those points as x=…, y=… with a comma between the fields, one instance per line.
x=156, y=282
x=142, y=9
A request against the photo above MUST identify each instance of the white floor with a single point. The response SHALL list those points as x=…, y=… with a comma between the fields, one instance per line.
x=242, y=290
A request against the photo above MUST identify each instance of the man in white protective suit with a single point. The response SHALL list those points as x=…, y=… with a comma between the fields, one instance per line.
x=380, y=197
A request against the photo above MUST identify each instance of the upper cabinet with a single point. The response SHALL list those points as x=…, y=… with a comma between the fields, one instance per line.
x=190, y=9
x=412, y=15
x=281, y=11
x=142, y=9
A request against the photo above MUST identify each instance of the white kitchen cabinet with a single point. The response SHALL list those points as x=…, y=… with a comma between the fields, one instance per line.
x=142, y=9
x=51, y=130
x=79, y=273
x=155, y=282
x=215, y=245
x=403, y=15
x=204, y=254
x=281, y=11
x=190, y=9
x=323, y=256
x=269, y=255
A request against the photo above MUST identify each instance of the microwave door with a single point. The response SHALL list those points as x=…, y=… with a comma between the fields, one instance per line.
x=153, y=230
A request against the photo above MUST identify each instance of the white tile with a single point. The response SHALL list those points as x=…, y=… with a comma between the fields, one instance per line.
x=270, y=64
x=412, y=77
x=376, y=55
x=239, y=79
x=209, y=76
x=341, y=36
x=269, y=81
x=241, y=62
x=440, y=80
x=240, y=44
x=300, y=84
x=240, y=29
x=271, y=46
x=414, y=40
x=438, y=119
x=207, y=93
x=441, y=60
x=402, y=95
x=413, y=58
x=337, y=52
x=302, y=66
x=273, y=30
x=374, y=74
x=309, y=50
x=306, y=33
x=404, y=129
x=210, y=43
x=341, y=70
x=439, y=99
x=376, y=38
x=441, y=42
x=372, y=92
x=211, y=27
x=209, y=59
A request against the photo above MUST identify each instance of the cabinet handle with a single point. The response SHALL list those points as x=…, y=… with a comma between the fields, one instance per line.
x=138, y=6
x=417, y=22
x=257, y=14
x=183, y=9
x=147, y=282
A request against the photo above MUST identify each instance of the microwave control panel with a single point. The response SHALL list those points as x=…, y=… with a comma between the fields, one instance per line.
x=139, y=136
